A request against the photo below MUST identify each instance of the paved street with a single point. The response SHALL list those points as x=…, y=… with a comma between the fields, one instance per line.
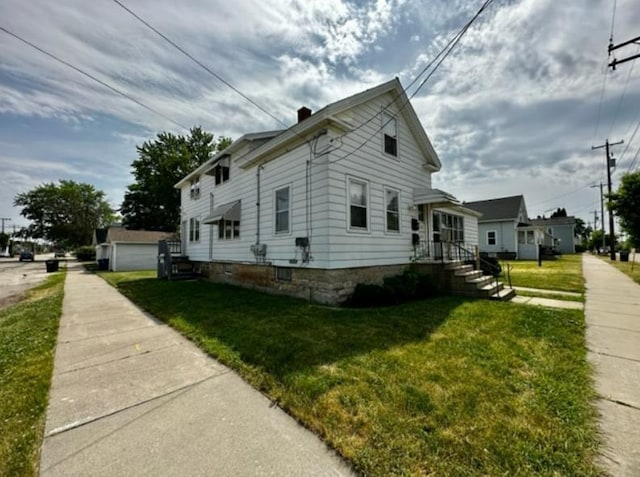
x=17, y=277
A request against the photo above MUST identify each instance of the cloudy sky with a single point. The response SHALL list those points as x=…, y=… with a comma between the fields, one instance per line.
x=514, y=109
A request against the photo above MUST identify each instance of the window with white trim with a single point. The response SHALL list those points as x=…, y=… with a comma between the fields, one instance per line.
x=390, y=134
x=228, y=229
x=491, y=237
x=194, y=229
x=282, y=206
x=358, y=209
x=221, y=170
x=392, y=197
x=194, y=188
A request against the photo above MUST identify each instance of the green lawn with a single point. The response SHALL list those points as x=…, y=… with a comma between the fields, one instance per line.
x=448, y=386
x=563, y=274
x=28, y=332
x=625, y=267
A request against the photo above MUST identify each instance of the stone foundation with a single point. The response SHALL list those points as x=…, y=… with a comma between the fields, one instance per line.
x=324, y=286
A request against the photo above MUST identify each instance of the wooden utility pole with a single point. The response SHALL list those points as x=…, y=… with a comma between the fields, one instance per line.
x=610, y=163
x=612, y=47
x=604, y=235
x=4, y=219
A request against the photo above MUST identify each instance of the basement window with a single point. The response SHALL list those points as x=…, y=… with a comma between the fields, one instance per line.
x=283, y=274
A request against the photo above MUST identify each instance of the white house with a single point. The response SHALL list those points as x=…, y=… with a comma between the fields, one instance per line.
x=342, y=197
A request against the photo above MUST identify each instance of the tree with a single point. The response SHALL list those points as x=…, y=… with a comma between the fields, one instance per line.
x=4, y=241
x=559, y=213
x=152, y=202
x=625, y=203
x=66, y=213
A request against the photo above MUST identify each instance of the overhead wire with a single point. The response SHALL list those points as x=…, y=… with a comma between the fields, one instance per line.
x=199, y=63
x=92, y=77
x=447, y=51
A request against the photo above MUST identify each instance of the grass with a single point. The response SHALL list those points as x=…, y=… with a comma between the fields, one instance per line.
x=447, y=386
x=563, y=274
x=625, y=267
x=28, y=332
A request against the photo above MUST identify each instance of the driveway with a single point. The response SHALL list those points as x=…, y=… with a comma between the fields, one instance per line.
x=17, y=277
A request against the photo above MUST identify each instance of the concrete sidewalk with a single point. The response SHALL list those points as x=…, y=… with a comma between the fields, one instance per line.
x=130, y=396
x=612, y=312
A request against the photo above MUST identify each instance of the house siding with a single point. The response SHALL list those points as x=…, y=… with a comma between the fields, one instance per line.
x=506, y=238
x=332, y=244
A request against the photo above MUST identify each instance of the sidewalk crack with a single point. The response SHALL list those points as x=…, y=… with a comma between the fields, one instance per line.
x=621, y=403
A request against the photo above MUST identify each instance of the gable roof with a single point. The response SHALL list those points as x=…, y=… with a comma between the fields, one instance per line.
x=503, y=208
x=327, y=116
x=571, y=220
x=120, y=234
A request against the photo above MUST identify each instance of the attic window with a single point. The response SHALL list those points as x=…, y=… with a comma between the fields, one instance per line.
x=221, y=170
x=390, y=134
x=194, y=189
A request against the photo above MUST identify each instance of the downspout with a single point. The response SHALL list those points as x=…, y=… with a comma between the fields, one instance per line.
x=258, y=205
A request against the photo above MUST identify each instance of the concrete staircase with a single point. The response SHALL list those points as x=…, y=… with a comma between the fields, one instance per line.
x=469, y=282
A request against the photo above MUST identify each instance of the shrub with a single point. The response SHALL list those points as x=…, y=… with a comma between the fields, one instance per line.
x=86, y=253
x=395, y=290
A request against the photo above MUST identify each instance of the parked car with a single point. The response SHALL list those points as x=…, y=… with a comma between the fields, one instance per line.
x=59, y=253
x=26, y=255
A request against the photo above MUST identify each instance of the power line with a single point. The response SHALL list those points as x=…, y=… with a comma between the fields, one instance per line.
x=624, y=91
x=196, y=61
x=90, y=76
x=451, y=45
x=628, y=144
x=613, y=19
x=633, y=162
x=561, y=195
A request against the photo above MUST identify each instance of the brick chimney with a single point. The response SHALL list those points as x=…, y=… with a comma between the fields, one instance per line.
x=303, y=113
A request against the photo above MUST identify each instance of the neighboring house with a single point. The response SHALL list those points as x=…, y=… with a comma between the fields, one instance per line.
x=505, y=231
x=128, y=249
x=342, y=197
x=563, y=230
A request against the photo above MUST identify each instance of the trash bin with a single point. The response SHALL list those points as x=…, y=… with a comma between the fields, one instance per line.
x=103, y=264
x=52, y=266
x=624, y=256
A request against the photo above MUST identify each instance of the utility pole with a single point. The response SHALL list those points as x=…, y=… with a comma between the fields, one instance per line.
x=612, y=47
x=610, y=163
x=4, y=219
x=595, y=220
x=604, y=238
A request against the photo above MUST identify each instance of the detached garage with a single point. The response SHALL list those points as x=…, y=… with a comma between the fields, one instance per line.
x=130, y=249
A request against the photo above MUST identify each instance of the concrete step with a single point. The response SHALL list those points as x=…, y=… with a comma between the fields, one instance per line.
x=454, y=265
x=490, y=289
x=480, y=281
x=463, y=270
x=505, y=294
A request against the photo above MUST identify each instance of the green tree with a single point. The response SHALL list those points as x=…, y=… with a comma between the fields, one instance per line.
x=625, y=203
x=152, y=202
x=66, y=213
x=4, y=241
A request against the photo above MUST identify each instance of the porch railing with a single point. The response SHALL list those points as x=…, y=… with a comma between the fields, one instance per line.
x=443, y=251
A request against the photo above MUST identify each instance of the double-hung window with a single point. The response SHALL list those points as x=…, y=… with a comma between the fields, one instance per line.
x=194, y=188
x=491, y=237
x=390, y=134
x=358, y=210
x=283, y=207
x=392, y=210
x=194, y=229
x=221, y=170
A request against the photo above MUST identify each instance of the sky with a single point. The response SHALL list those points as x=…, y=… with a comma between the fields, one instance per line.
x=514, y=109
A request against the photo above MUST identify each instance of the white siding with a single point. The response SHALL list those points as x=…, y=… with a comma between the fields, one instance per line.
x=404, y=173
x=323, y=218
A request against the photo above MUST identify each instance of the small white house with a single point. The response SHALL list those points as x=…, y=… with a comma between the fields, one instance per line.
x=343, y=196
x=128, y=249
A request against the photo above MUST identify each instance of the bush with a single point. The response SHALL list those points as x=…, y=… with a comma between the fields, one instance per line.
x=86, y=253
x=580, y=248
x=395, y=290
x=490, y=266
